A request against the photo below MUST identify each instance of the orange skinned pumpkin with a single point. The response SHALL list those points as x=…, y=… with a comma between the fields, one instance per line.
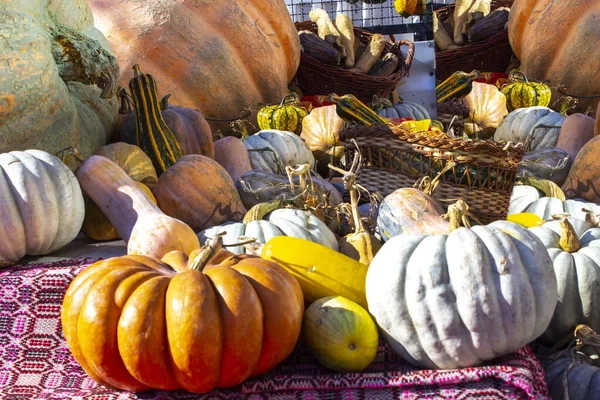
x=135, y=323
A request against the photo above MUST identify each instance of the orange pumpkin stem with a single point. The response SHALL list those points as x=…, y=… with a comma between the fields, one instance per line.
x=569, y=241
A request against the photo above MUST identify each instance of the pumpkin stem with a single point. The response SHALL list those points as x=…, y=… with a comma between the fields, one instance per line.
x=520, y=75
x=164, y=102
x=294, y=99
x=591, y=219
x=210, y=249
x=260, y=210
x=549, y=188
x=380, y=103
x=64, y=155
x=137, y=72
x=457, y=215
x=569, y=241
x=126, y=106
x=349, y=179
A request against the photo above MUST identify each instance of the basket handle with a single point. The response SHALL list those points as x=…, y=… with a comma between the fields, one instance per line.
x=411, y=50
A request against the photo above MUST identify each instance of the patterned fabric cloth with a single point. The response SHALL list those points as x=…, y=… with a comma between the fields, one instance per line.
x=35, y=362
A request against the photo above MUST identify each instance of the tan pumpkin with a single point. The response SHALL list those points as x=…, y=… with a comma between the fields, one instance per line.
x=232, y=155
x=597, y=124
x=487, y=107
x=198, y=191
x=139, y=168
x=134, y=323
x=583, y=180
x=219, y=57
x=575, y=132
x=141, y=224
x=548, y=36
x=320, y=130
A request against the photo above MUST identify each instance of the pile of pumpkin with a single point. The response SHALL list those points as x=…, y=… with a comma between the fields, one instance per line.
x=216, y=226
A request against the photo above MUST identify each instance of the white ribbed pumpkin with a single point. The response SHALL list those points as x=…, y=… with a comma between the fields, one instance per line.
x=577, y=272
x=289, y=148
x=527, y=199
x=41, y=205
x=518, y=125
x=450, y=301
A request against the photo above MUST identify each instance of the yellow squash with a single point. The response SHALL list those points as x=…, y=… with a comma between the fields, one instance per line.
x=320, y=270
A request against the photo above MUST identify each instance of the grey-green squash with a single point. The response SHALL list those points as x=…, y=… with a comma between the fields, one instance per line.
x=272, y=150
x=459, y=299
x=58, y=78
x=541, y=123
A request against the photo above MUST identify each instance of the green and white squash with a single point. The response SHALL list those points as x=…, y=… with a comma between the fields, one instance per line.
x=41, y=205
x=59, y=78
x=272, y=150
x=283, y=222
x=527, y=199
x=574, y=248
x=541, y=123
x=457, y=300
x=404, y=109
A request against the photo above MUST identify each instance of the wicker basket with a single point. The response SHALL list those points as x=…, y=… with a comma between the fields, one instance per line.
x=491, y=55
x=482, y=173
x=316, y=78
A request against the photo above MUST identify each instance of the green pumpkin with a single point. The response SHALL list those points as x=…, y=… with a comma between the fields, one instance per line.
x=284, y=116
x=521, y=93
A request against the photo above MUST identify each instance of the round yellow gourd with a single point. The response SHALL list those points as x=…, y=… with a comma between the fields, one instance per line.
x=341, y=334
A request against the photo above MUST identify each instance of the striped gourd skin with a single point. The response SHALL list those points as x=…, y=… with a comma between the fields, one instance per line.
x=152, y=133
x=350, y=109
x=456, y=86
x=283, y=118
x=522, y=94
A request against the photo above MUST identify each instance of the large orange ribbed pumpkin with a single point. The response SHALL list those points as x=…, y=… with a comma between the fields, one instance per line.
x=134, y=323
x=217, y=56
x=556, y=42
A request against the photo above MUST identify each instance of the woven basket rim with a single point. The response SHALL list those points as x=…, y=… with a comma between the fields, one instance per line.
x=462, y=150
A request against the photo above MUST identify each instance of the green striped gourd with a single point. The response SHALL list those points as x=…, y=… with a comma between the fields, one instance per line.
x=456, y=86
x=284, y=116
x=523, y=93
x=152, y=133
x=351, y=109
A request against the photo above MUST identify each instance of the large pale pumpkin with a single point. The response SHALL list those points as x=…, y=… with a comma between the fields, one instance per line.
x=41, y=205
x=550, y=39
x=217, y=56
x=198, y=191
x=450, y=301
x=574, y=248
x=58, y=77
x=584, y=180
x=133, y=323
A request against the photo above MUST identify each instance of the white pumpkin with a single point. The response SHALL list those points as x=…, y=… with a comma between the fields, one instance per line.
x=577, y=267
x=527, y=199
x=289, y=148
x=518, y=125
x=41, y=205
x=284, y=222
x=450, y=301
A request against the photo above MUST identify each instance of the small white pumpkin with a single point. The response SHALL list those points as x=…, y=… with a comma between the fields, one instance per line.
x=456, y=300
x=283, y=222
x=41, y=205
x=574, y=248
x=521, y=123
x=527, y=199
x=283, y=146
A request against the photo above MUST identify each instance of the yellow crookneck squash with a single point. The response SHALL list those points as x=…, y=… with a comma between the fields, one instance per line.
x=286, y=116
